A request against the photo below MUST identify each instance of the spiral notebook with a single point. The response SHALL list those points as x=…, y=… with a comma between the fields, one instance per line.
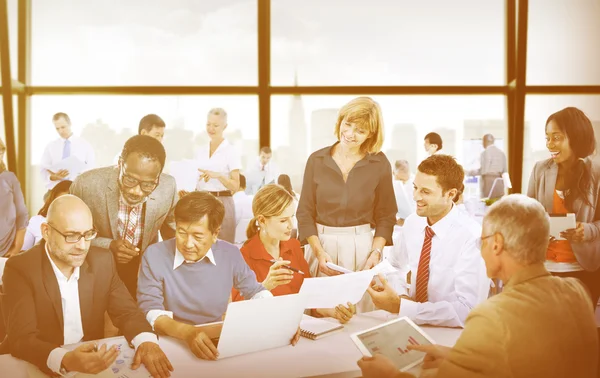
x=314, y=328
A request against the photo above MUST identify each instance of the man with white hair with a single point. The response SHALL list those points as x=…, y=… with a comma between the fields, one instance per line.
x=539, y=326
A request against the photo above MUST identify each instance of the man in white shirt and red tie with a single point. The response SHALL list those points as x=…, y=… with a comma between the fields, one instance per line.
x=448, y=276
x=67, y=146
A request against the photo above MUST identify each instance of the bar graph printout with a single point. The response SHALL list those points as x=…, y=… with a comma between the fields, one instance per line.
x=392, y=340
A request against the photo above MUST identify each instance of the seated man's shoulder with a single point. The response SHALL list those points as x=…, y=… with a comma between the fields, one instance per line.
x=99, y=258
x=469, y=226
x=490, y=311
x=160, y=250
x=412, y=220
x=223, y=250
x=27, y=260
x=222, y=246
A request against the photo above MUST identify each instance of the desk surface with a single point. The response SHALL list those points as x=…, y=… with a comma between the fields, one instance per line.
x=332, y=356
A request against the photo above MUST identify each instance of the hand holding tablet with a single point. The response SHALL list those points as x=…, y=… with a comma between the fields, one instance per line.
x=392, y=339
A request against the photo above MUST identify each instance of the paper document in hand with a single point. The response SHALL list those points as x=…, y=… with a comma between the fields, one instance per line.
x=328, y=292
x=185, y=173
x=121, y=368
x=71, y=164
x=384, y=267
x=338, y=268
x=560, y=223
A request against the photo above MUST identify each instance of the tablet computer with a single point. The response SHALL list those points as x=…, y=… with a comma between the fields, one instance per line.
x=391, y=340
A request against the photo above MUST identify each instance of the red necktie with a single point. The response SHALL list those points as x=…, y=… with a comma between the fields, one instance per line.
x=423, y=270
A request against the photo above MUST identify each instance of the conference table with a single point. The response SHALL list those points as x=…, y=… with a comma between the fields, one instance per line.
x=333, y=356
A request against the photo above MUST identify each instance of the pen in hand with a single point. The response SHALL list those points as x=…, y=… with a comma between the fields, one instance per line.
x=287, y=267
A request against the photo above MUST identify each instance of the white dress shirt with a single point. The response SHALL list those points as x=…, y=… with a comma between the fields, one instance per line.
x=243, y=215
x=80, y=149
x=258, y=176
x=404, y=197
x=457, y=275
x=33, y=234
x=152, y=315
x=224, y=160
x=73, y=327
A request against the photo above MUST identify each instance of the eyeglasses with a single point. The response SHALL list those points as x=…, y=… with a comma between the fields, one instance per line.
x=481, y=239
x=76, y=237
x=130, y=182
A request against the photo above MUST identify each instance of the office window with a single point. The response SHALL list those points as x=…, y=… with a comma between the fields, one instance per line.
x=563, y=45
x=138, y=42
x=12, y=38
x=537, y=110
x=15, y=119
x=304, y=124
x=106, y=122
x=388, y=42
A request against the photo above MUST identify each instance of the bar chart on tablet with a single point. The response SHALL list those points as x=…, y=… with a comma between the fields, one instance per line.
x=393, y=342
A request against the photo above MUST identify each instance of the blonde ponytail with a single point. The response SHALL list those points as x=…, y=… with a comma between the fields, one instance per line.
x=252, y=228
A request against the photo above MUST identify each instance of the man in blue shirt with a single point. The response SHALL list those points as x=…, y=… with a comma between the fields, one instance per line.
x=187, y=280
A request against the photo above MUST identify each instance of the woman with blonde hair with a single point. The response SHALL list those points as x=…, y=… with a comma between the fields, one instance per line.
x=347, y=192
x=269, y=240
x=13, y=222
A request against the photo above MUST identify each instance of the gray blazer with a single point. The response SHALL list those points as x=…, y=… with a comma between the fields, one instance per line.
x=99, y=189
x=541, y=187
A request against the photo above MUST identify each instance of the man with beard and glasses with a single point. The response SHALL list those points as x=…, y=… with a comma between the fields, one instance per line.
x=130, y=203
x=56, y=292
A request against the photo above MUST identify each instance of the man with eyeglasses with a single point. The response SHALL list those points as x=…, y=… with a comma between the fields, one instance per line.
x=57, y=292
x=130, y=203
x=539, y=326
x=439, y=244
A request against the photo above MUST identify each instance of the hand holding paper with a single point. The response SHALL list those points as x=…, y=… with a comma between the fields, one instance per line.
x=560, y=223
x=328, y=292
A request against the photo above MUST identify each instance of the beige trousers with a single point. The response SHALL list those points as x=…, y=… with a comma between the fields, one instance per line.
x=349, y=247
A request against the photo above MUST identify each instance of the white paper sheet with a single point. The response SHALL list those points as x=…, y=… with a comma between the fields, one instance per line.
x=121, y=368
x=71, y=164
x=185, y=173
x=338, y=268
x=3, y=261
x=560, y=223
x=328, y=292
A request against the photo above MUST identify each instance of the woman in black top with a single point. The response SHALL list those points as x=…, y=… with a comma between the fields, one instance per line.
x=347, y=192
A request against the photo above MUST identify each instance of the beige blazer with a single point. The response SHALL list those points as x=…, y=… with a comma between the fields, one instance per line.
x=542, y=183
x=540, y=326
x=99, y=189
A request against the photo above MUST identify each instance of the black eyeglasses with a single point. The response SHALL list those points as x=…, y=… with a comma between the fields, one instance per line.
x=130, y=182
x=76, y=237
